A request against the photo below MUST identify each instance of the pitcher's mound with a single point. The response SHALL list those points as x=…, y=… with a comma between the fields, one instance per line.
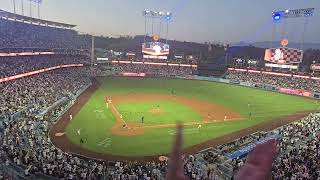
x=156, y=111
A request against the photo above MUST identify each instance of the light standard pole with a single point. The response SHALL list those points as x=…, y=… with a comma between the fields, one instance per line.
x=14, y=6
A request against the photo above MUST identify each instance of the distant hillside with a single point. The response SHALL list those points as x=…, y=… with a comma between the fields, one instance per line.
x=267, y=44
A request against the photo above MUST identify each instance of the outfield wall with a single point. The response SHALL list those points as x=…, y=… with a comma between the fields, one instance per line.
x=268, y=87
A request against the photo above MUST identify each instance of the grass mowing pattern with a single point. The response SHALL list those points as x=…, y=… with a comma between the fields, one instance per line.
x=95, y=120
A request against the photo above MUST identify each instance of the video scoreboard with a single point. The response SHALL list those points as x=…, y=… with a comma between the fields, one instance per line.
x=283, y=55
x=155, y=50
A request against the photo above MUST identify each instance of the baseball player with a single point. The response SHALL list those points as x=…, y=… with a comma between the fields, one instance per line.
x=199, y=127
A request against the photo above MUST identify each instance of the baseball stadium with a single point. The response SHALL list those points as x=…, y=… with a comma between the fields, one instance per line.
x=151, y=105
x=119, y=115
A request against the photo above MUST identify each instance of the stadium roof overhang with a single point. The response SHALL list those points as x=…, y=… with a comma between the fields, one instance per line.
x=16, y=17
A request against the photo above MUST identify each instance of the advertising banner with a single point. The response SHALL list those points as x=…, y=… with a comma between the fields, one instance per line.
x=298, y=92
x=191, y=77
x=25, y=54
x=283, y=66
x=102, y=59
x=133, y=74
x=154, y=57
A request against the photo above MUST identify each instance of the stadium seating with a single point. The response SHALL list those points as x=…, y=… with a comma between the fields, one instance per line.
x=14, y=34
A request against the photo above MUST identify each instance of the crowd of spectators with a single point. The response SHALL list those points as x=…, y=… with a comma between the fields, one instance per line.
x=21, y=64
x=279, y=81
x=25, y=141
x=26, y=144
x=162, y=70
x=299, y=150
x=14, y=34
x=40, y=91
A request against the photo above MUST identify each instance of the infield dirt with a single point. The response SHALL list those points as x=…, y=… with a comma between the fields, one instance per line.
x=209, y=112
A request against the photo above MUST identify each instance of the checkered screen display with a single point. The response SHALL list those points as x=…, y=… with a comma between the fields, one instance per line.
x=283, y=55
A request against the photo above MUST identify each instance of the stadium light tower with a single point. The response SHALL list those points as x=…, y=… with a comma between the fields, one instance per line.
x=282, y=15
x=155, y=49
x=14, y=6
x=30, y=6
x=22, y=8
x=157, y=15
x=296, y=13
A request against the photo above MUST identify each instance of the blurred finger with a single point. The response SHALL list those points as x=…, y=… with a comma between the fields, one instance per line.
x=175, y=170
x=259, y=162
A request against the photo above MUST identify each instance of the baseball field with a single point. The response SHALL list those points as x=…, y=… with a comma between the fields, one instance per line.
x=131, y=118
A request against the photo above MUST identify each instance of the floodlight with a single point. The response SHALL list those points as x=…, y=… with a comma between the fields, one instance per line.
x=276, y=16
x=168, y=18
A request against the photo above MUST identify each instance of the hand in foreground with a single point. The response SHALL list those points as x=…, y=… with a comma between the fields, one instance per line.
x=175, y=170
x=259, y=162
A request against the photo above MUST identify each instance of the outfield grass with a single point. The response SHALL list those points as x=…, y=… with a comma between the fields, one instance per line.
x=170, y=112
x=95, y=120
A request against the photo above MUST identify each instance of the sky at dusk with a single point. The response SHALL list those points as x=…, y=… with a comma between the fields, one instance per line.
x=225, y=21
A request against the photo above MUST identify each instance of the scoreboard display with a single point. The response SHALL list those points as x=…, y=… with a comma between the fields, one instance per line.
x=155, y=49
x=283, y=55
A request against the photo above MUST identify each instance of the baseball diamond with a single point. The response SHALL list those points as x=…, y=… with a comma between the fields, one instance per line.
x=124, y=102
